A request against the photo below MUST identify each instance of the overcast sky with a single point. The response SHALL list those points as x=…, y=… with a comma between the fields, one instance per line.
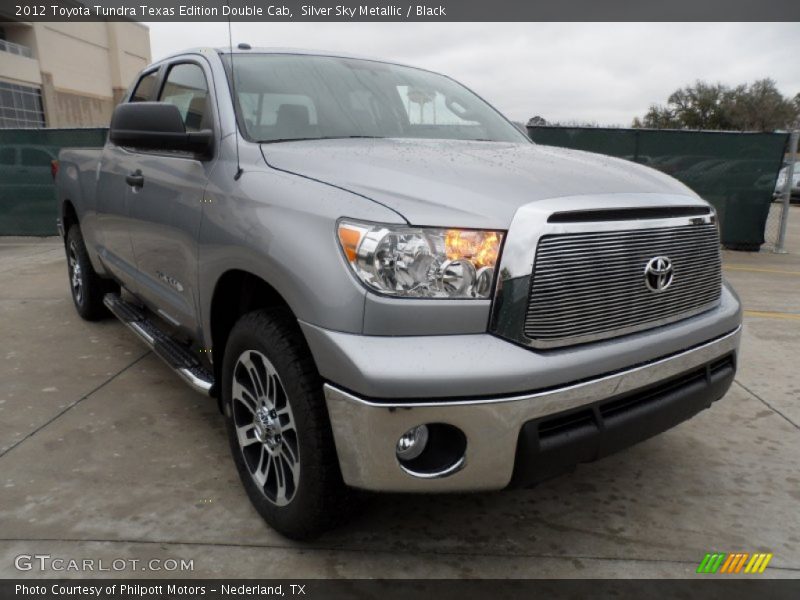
x=598, y=72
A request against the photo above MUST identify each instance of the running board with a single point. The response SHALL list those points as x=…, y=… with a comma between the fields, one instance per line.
x=179, y=358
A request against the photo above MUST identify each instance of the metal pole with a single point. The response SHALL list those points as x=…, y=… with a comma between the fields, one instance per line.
x=787, y=190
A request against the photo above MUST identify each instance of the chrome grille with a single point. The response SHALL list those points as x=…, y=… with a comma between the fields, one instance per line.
x=590, y=286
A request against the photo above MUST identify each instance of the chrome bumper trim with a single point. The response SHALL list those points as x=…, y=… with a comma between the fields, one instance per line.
x=365, y=432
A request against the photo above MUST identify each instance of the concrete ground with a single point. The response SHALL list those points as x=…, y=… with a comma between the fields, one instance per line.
x=105, y=454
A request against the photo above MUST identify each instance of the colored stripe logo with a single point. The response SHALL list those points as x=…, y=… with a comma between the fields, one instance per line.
x=737, y=562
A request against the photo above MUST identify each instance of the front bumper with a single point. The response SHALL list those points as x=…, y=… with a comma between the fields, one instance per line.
x=531, y=436
x=484, y=365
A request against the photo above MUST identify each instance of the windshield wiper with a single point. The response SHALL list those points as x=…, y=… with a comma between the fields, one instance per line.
x=329, y=137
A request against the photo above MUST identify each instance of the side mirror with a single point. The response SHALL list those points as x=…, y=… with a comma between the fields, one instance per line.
x=156, y=126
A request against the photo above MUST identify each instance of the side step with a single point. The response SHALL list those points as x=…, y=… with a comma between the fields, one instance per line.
x=175, y=355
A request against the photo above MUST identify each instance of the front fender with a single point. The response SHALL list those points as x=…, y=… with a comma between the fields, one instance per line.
x=282, y=228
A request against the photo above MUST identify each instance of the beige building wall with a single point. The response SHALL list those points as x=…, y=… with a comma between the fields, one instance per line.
x=83, y=69
x=18, y=68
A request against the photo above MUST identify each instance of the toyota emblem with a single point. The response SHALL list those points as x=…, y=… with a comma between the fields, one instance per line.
x=658, y=274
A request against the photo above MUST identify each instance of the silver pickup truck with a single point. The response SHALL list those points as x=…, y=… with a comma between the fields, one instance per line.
x=385, y=284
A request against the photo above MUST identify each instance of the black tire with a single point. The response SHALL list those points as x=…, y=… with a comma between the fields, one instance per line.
x=86, y=286
x=270, y=342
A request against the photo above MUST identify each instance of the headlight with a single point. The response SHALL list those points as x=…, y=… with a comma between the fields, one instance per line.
x=421, y=262
x=715, y=220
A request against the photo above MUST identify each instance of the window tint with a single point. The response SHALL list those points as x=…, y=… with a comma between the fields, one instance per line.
x=262, y=109
x=144, y=89
x=31, y=157
x=186, y=88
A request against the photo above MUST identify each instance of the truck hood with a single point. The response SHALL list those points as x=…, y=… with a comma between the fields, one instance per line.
x=453, y=183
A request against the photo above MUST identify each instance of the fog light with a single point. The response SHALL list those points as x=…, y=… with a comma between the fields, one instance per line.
x=412, y=443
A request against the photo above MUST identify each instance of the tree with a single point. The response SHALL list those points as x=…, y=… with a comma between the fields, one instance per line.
x=760, y=107
x=755, y=107
x=702, y=106
x=658, y=117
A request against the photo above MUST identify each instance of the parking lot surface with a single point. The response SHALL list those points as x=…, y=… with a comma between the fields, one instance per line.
x=105, y=454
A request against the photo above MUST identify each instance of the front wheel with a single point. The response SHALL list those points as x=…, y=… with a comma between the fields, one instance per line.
x=278, y=426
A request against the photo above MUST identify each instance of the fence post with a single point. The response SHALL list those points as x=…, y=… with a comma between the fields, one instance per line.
x=787, y=190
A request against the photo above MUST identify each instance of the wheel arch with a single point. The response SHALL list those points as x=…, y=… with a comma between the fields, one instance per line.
x=69, y=216
x=236, y=293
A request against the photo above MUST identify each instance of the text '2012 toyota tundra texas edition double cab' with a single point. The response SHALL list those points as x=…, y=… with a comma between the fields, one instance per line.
x=385, y=284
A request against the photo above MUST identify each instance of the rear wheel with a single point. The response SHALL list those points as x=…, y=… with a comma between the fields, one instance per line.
x=86, y=286
x=278, y=426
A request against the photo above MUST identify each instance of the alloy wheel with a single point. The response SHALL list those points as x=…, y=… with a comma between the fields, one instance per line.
x=265, y=427
x=75, y=274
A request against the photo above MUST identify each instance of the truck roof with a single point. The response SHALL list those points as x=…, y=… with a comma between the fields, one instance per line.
x=275, y=50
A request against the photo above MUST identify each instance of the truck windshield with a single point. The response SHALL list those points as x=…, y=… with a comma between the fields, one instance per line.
x=285, y=97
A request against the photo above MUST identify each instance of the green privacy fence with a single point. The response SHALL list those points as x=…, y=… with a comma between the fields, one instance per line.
x=736, y=172
x=27, y=194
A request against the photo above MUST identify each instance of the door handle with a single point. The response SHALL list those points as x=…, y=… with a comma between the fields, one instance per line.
x=135, y=179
